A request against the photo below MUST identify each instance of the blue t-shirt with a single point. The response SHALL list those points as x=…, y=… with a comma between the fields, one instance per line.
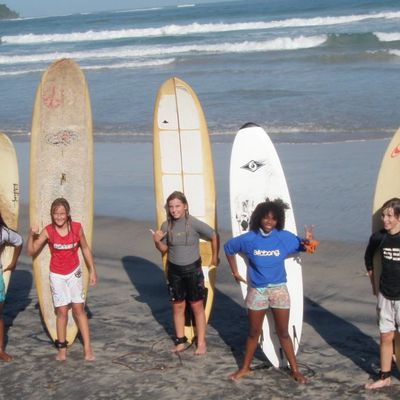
x=266, y=254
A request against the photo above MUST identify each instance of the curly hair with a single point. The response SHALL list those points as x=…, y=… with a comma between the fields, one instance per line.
x=393, y=203
x=276, y=207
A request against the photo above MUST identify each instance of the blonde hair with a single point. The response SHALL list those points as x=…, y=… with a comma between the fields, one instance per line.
x=61, y=202
x=177, y=195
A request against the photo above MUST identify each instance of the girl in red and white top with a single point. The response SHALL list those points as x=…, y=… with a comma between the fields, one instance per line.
x=64, y=238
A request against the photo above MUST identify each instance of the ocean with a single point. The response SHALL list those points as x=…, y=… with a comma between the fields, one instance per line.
x=309, y=72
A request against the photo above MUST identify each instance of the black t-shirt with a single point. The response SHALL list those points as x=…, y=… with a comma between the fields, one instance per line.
x=389, y=248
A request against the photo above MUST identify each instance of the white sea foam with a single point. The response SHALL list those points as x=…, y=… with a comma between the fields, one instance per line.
x=282, y=43
x=394, y=52
x=181, y=30
x=138, y=10
x=388, y=37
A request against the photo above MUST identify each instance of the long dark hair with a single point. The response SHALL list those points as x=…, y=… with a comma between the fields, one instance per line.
x=171, y=222
x=276, y=207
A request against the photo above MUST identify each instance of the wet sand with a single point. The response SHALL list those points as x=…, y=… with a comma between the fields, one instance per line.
x=131, y=325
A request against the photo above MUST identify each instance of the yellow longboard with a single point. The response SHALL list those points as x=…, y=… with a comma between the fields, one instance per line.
x=61, y=165
x=9, y=196
x=387, y=187
x=183, y=161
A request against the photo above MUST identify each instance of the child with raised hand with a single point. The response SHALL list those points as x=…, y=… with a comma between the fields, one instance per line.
x=387, y=242
x=8, y=237
x=64, y=238
x=266, y=246
x=179, y=238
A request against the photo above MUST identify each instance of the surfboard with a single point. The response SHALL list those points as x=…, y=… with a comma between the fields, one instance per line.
x=387, y=187
x=9, y=197
x=255, y=174
x=182, y=160
x=61, y=165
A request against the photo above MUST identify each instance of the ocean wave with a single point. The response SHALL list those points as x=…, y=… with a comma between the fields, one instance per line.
x=137, y=10
x=278, y=44
x=190, y=29
x=394, y=52
x=388, y=37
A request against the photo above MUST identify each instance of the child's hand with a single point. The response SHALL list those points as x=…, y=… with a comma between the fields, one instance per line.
x=310, y=244
x=239, y=278
x=309, y=232
x=34, y=230
x=92, y=278
x=11, y=268
x=214, y=261
x=158, y=235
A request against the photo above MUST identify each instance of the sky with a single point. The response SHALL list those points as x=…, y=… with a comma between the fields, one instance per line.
x=37, y=8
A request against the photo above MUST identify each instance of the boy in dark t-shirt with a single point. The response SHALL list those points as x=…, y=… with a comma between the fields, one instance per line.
x=387, y=242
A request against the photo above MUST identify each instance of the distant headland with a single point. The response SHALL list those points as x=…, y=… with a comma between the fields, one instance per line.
x=6, y=13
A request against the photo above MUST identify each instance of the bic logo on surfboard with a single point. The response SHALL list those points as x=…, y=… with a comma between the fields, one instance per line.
x=253, y=166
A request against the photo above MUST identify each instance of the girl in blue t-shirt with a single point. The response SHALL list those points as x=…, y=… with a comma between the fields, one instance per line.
x=266, y=246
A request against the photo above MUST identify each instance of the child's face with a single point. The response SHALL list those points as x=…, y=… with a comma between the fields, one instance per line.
x=177, y=208
x=268, y=222
x=391, y=222
x=60, y=216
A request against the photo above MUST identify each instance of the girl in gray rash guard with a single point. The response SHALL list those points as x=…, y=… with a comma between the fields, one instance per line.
x=179, y=238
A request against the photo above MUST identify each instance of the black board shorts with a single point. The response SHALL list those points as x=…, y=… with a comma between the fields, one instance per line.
x=186, y=282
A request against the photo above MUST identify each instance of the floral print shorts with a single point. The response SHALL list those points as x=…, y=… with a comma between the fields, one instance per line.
x=268, y=297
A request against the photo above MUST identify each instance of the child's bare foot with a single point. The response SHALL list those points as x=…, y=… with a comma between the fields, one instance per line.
x=178, y=348
x=241, y=373
x=201, y=349
x=5, y=357
x=61, y=355
x=380, y=383
x=180, y=344
x=300, y=378
x=89, y=356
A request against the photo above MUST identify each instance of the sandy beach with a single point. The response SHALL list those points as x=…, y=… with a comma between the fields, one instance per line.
x=131, y=325
x=318, y=77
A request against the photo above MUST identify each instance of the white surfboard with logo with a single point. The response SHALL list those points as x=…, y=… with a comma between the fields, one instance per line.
x=255, y=174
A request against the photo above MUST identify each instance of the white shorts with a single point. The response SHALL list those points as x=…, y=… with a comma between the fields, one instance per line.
x=388, y=314
x=67, y=289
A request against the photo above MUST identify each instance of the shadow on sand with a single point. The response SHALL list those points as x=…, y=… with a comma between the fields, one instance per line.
x=228, y=318
x=17, y=299
x=341, y=335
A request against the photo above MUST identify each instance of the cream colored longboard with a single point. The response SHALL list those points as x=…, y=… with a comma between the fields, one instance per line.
x=387, y=187
x=183, y=161
x=61, y=165
x=9, y=197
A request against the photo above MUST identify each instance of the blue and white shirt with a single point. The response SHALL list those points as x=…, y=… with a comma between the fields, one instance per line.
x=266, y=254
x=10, y=237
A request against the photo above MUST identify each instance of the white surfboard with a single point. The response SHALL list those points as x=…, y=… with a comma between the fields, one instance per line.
x=255, y=174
